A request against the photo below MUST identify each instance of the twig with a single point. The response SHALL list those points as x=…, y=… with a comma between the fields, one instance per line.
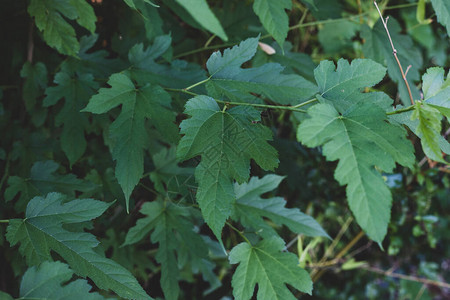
x=30, y=43
x=406, y=277
x=394, y=52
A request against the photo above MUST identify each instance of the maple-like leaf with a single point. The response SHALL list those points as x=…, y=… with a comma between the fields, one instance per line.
x=442, y=9
x=43, y=179
x=177, y=74
x=360, y=138
x=174, y=233
x=48, y=15
x=42, y=231
x=230, y=80
x=75, y=89
x=251, y=209
x=268, y=267
x=273, y=17
x=226, y=141
x=128, y=131
x=378, y=48
x=48, y=281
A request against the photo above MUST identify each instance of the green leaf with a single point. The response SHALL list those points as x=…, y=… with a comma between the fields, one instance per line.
x=429, y=130
x=337, y=36
x=442, y=9
x=406, y=119
x=174, y=234
x=35, y=82
x=351, y=127
x=268, y=267
x=144, y=69
x=128, y=132
x=43, y=179
x=230, y=80
x=378, y=48
x=42, y=231
x=226, y=141
x=76, y=89
x=436, y=91
x=273, y=17
x=48, y=15
x=251, y=209
x=167, y=171
x=342, y=86
x=200, y=11
x=360, y=139
x=47, y=281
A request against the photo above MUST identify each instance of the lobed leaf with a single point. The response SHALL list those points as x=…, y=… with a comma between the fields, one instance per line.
x=57, y=32
x=48, y=281
x=230, y=80
x=251, y=209
x=42, y=231
x=359, y=137
x=226, y=141
x=175, y=235
x=128, y=131
x=268, y=267
x=75, y=89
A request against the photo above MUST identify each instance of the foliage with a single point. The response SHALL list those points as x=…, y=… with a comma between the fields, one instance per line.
x=193, y=149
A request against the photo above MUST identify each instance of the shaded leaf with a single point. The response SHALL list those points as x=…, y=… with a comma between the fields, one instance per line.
x=44, y=179
x=127, y=132
x=75, y=89
x=175, y=235
x=442, y=9
x=268, y=267
x=35, y=82
x=251, y=209
x=200, y=11
x=47, y=281
x=59, y=34
x=42, y=231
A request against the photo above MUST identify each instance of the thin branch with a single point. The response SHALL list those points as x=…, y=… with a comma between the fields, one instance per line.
x=394, y=52
x=224, y=45
x=239, y=232
x=30, y=42
x=4, y=221
x=406, y=277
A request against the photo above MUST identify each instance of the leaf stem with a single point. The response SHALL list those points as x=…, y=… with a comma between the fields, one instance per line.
x=239, y=232
x=197, y=84
x=262, y=105
x=402, y=110
x=394, y=52
x=292, y=108
x=4, y=221
x=305, y=103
